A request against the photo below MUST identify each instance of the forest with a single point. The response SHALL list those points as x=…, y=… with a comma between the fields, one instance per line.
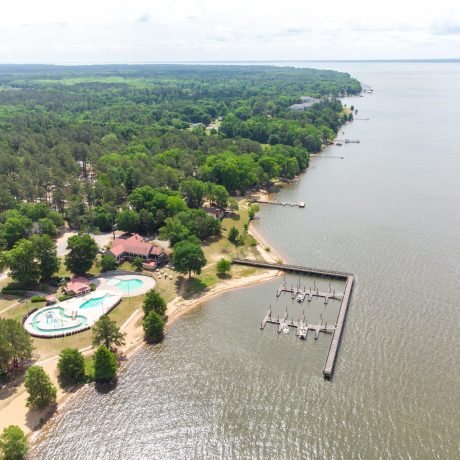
x=142, y=146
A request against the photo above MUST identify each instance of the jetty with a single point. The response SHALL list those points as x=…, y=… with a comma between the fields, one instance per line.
x=337, y=329
x=300, y=204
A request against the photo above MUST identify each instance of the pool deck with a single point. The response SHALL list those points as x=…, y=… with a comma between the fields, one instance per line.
x=102, y=282
x=70, y=311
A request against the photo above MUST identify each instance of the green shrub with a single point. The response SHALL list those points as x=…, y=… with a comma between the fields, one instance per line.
x=65, y=297
x=37, y=298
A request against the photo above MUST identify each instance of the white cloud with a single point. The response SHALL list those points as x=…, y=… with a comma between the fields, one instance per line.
x=177, y=30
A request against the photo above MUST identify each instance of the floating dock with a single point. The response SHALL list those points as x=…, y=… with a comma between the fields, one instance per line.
x=341, y=317
x=301, y=294
x=301, y=325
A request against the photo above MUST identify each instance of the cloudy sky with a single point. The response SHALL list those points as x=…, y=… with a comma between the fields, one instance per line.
x=101, y=31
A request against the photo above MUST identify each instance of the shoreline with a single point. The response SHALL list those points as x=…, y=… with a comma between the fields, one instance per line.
x=13, y=409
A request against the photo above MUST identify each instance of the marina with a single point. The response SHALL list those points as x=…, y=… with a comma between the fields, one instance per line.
x=302, y=325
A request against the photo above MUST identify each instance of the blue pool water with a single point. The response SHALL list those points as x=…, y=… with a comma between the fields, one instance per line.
x=56, y=317
x=94, y=302
x=129, y=285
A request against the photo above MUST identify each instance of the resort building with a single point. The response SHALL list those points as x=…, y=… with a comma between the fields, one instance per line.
x=78, y=286
x=135, y=246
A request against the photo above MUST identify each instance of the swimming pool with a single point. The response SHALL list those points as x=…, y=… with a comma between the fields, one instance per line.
x=95, y=302
x=127, y=285
x=54, y=320
x=70, y=316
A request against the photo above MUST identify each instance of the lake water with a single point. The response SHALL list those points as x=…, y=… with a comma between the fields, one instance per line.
x=389, y=212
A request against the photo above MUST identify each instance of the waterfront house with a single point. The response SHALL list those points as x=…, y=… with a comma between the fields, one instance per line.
x=135, y=246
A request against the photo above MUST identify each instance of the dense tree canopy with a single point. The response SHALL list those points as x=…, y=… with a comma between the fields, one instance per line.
x=128, y=145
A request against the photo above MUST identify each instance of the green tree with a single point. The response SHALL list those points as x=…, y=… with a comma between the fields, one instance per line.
x=253, y=209
x=15, y=344
x=219, y=195
x=83, y=252
x=174, y=231
x=233, y=204
x=153, y=327
x=107, y=332
x=108, y=262
x=15, y=228
x=22, y=263
x=105, y=365
x=223, y=267
x=128, y=221
x=188, y=257
x=47, y=227
x=194, y=192
x=71, y=367
x=154, y=302
x=137, y=263
x=13, y=443
x=234, y=236
x=46, y=255
x=41, y=390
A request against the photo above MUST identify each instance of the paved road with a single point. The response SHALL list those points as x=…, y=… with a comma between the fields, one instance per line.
x=101, y=240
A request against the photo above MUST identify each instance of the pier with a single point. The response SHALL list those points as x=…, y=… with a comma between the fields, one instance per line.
x=301, y=294
x=301, y=325
x=336, y=330
x=300, y=204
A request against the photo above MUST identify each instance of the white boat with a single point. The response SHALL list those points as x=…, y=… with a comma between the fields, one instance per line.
x=285, y=328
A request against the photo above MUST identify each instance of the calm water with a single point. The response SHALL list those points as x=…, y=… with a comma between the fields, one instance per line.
x=389, y=212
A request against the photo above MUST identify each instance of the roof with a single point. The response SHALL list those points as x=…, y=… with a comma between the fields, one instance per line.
x=78, y=284
x=135, y=244
x=213, y=210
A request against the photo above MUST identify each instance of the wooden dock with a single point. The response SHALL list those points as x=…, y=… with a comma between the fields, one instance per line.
x=335, y=342
x=301, y=325
x=301, y=294
x=300, y=204
x=341, y=317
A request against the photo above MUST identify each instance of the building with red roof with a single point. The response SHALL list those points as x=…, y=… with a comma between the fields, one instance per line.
x=78, y=285
x=134, y=246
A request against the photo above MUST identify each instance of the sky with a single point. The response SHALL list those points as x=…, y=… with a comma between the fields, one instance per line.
x=129, y=31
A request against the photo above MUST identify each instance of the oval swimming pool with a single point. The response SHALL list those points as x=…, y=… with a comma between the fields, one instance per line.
x=127, y=285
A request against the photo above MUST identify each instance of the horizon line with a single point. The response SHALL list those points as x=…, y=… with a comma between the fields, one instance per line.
x=83, y=63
